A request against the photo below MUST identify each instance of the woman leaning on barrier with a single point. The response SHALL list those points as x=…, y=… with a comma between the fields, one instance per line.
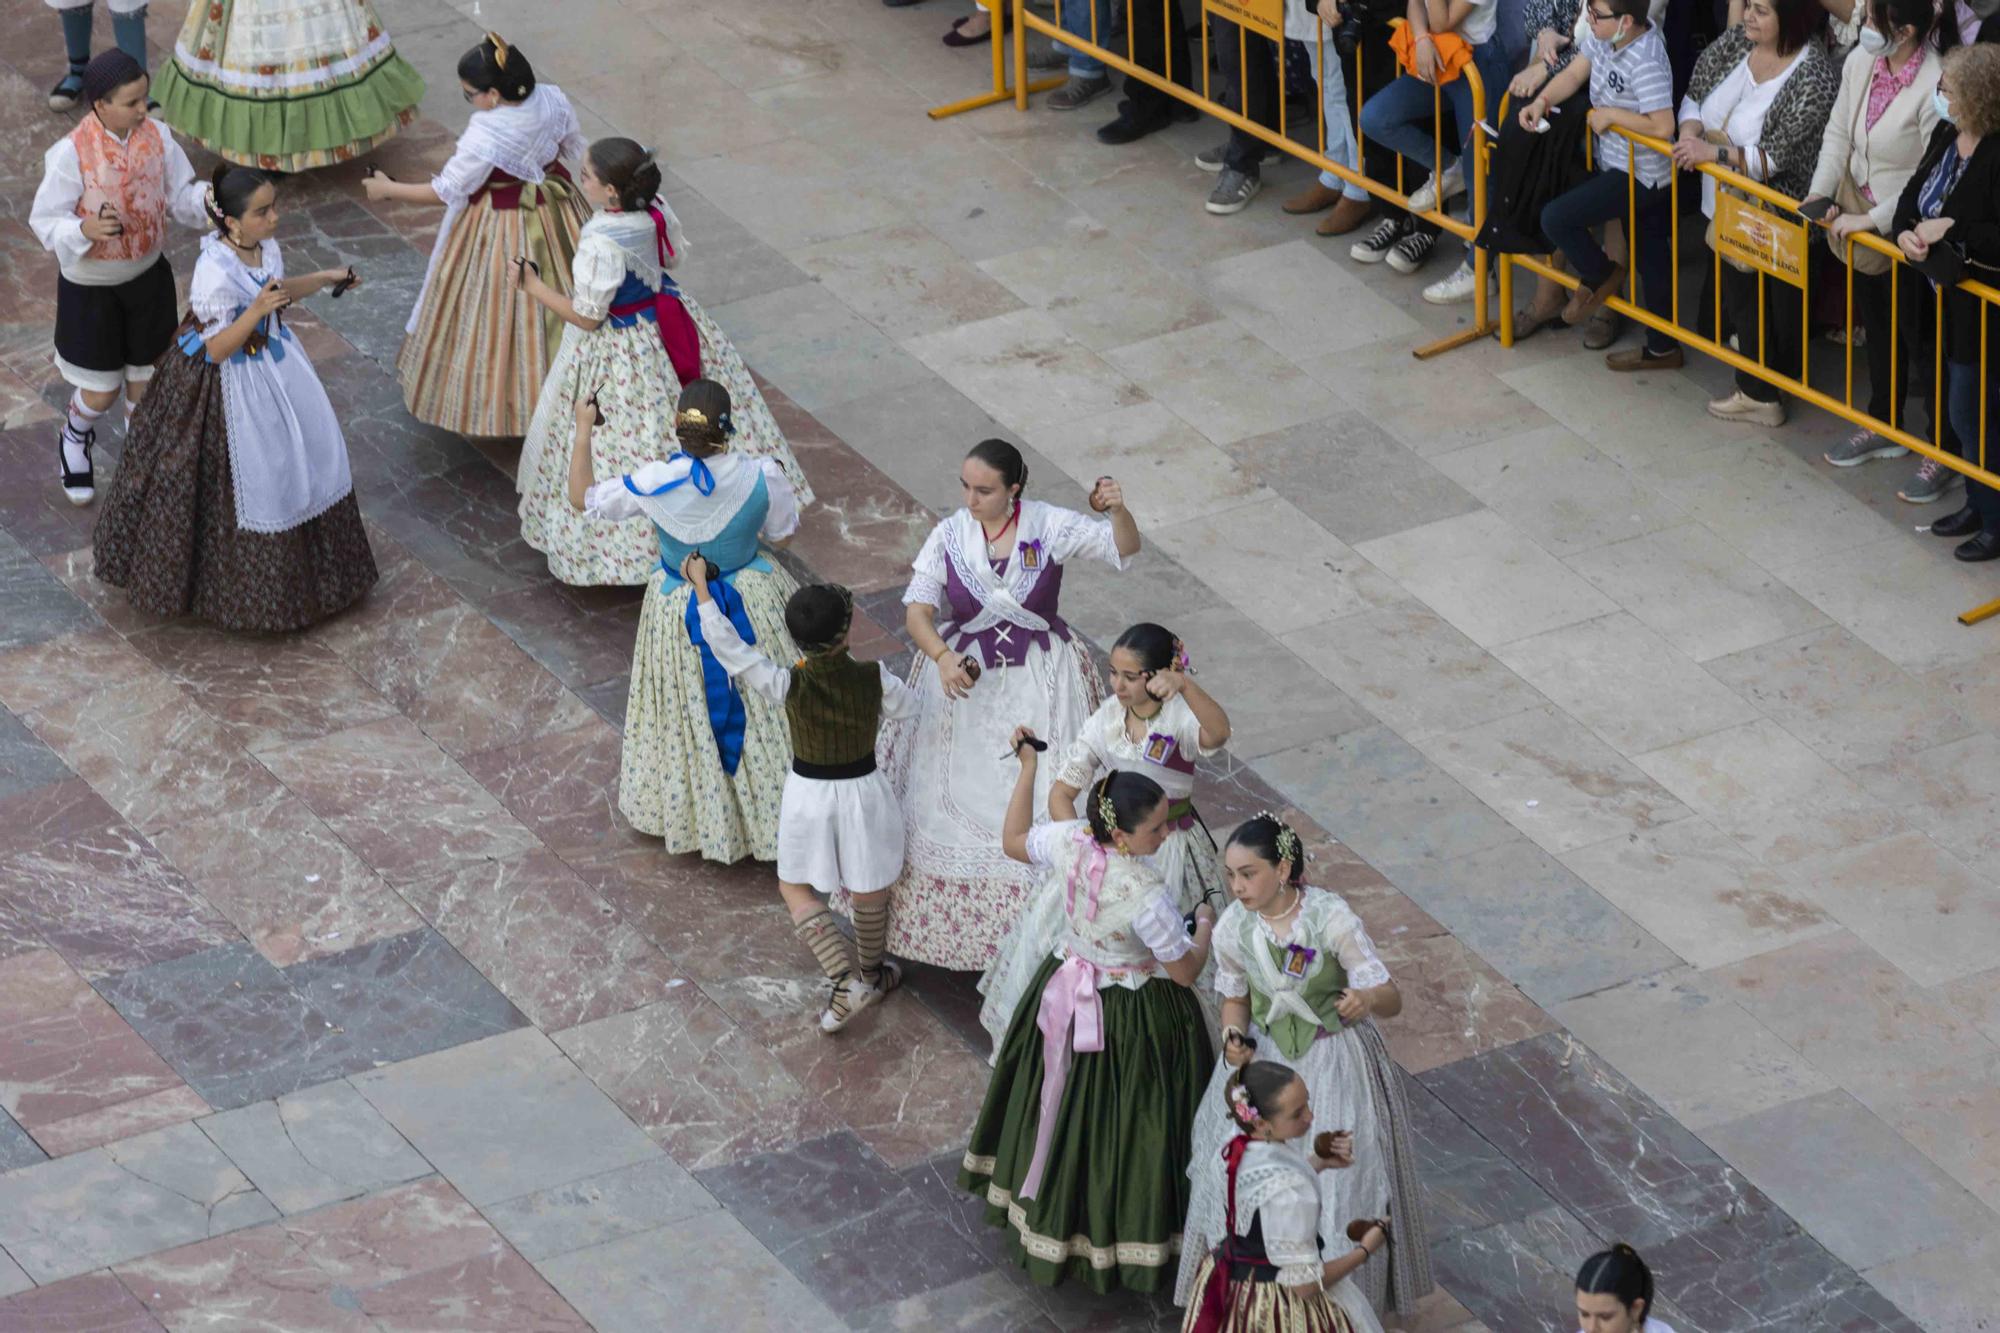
x=1947, y=223
x=1758, y=105
x=1881, y=124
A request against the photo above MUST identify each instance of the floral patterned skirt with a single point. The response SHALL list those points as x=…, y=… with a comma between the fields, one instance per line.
x=168, y=536
x=670, y=779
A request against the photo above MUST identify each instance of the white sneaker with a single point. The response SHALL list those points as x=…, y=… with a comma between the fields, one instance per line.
x=1740, y=406
x=1425, y=199
x=1460, y=286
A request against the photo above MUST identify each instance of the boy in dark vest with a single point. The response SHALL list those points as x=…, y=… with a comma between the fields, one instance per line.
x=839, y=825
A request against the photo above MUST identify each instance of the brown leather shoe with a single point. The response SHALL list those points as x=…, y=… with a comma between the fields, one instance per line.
x=1638, y=358
x=1586, y=301
x=1346, y=216
x=1315, y=198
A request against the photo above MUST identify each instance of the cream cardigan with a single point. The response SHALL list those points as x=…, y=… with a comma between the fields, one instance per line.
x=1885, y=157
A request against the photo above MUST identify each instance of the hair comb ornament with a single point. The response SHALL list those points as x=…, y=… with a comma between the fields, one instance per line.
x=1287, y=840
x=499, y=50
x=1107, y=813
x=691, y=416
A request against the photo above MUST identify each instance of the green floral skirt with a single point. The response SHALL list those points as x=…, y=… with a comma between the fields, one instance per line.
x=1115, y=1188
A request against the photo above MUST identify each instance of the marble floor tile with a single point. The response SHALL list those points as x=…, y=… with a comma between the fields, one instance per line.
x=1562, y=493
x=1551, y=935
x=1638, y=420
x=1198, y=373
x=990, y=1303
x=713, y=921
x=1885, y=1203
x=25, y=763
x=1855, y=1018
x=1481, y=408
x=865, y=533
x=406, y=590
x=1977, y=997
x=1764, y=1274
x=1949, y=792
x=389, y=792
x=264, y=691
x=1384, y=487
x=1847, y=701
x=543, y=1124
x=1701, y=894
x=314, y=1147
x=823, y=198
x=1552, y=780
x=1521, y=1268
x=34, y=605
x=283, y=879
x=403, y=996
x=1697, y=594
x=1954, y=1120
x=786, y=1196
x=393, y=1234
x=905, y=281
x=1025, y=370
x=1916, y=904
x=577, y=646
x=813, y=347
x=1625, y=683
x=1901, y=596
x=1407, y=666
x=256, y=1278
x=1489, y=581
x=562, y=786
x=903, y=429
x=619, y=1203
x=706, y=1268
x=1468, y=1183
x=17, y=1146
x=1949, y=1289
x=544, y=939
x=66, y=1057
x=1775, y=506
x=106, y=1205
x=1295, y=297
x=1170, y=473
x=1277, y=566
x=1454, y=1004
x=497, y=1290
x=695, y=1082
x=1692, y=1048
x=1770, y=792
x=93, y=889
x=1382, y=797
x=96, y=1301
x=1102, y=291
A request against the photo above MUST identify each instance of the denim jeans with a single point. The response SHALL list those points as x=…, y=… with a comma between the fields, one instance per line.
x=1340, y=145
x=1076, y=21
x=1395, y=116
x=1568, y=218
x=1961, y=387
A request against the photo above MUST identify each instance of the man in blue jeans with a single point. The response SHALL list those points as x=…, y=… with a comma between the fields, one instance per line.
x=1088, y=79
x=1399, y=118
x=1631, y=87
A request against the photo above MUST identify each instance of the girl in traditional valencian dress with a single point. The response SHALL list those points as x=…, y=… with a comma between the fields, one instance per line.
x=474, y=354
x=1080, y=1148
x=233, y=501
x=983, y=607
x=287, y=85
x=1299, y=981
x=108, y=188
x=1274, y=1268
x=631, y=339
x=704, y=762
x=1157, y=722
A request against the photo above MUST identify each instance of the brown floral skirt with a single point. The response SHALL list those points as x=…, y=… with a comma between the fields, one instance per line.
x=167, y=533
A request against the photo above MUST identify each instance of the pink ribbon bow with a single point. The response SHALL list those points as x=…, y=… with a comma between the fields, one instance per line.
x=1071, y=1019
x=1090, y=863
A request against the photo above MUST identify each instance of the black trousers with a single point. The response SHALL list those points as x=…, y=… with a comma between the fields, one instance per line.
x=1254, y=84
x=1783, y=344
x=1159, y=44
x=1914, y=363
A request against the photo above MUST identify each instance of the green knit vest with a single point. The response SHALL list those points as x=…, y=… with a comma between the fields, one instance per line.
x=834, y=707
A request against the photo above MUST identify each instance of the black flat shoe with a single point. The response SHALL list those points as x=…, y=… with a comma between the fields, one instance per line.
x=1986, y=546
x=1962, y=524
x=1125, y=130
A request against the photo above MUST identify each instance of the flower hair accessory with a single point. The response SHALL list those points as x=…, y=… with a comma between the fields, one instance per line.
x=1288, y=841
x=1239, y=1104
x=1181, y=662
x=1107, y=813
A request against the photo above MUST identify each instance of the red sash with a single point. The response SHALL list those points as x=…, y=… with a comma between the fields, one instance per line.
x=503, y=191
x=677, y=331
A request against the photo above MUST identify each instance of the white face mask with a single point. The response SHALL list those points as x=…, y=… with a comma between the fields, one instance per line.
x=1873, y=42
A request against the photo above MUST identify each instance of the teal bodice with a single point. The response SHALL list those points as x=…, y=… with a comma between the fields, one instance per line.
x=734, y=548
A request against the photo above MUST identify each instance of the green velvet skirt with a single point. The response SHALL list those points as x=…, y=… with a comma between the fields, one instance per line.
x=1115, y=1191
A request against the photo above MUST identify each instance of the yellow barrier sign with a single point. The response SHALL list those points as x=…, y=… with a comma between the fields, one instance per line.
x=1763, y=240
x=1265, y=17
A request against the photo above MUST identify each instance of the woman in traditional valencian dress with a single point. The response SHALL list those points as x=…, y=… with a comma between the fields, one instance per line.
x=233, y=501
x=982, y=607
x=1274, y=1268
x=630, y=339
x=1300, y=981
x=287, y=85
x=1157, y=722
x=1080, y=1148
x=474, y=353
x=704, y=763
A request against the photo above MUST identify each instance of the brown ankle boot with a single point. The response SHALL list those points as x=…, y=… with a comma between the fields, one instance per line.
x=1346, y=216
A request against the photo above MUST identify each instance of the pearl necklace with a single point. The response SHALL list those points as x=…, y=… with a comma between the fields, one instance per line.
x=1297, y=898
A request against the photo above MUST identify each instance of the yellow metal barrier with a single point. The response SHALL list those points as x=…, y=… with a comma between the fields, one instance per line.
x=1125, y=62
x=1683, y=332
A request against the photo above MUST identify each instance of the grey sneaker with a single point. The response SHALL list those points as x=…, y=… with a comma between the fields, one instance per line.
x=1045, y=58
x=1861, y=446
x=1233, y=192
x=1213, y=159
x=1929, y=485
x=1078, y=92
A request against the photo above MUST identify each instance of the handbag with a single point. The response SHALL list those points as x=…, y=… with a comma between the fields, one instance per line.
x=1721, y=140
x=1847, y=194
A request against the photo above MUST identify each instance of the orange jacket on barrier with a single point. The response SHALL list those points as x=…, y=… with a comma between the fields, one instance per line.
x=1454, y=53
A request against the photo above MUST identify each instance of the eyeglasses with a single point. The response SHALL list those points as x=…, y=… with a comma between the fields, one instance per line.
x=1596, y=17
x=467, y=94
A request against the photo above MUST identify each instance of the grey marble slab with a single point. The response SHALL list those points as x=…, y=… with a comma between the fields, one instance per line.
x=34, y=605
x=16, y=1147
x=404, y=996
x=314, y=1147
x=597, y=1209
x=25, y=763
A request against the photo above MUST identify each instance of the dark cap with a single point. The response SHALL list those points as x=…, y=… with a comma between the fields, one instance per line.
x=107, y=72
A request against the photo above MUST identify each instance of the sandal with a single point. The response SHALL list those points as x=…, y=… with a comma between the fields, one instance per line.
x=956, y=37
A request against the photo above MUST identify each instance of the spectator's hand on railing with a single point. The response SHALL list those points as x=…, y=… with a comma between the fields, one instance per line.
x=1931, y=230
x=1528, y=80
x=1844, y=225
x=1329, y=15
x=1691, y=151
x=1601, y=118
x=1427, y=58
x=1914, y=246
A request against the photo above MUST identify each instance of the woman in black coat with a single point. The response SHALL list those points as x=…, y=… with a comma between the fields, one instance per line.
x=1947, y=223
